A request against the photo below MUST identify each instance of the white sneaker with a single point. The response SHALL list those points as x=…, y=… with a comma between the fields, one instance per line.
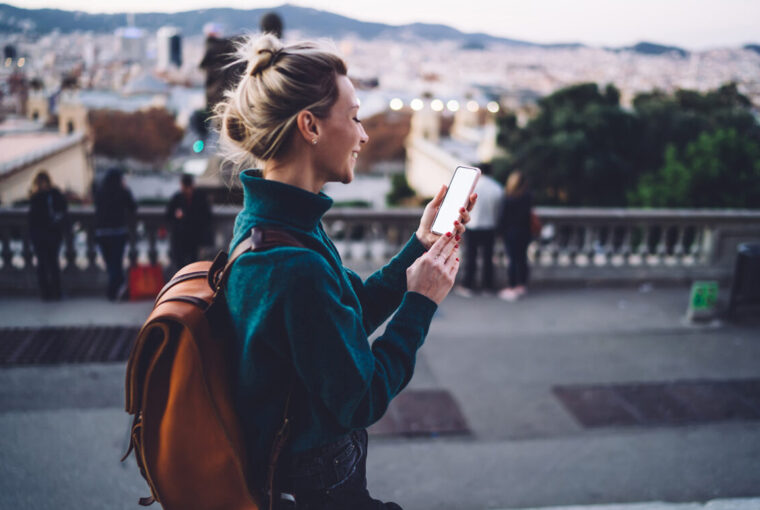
x=508, y=295
x=463, y=292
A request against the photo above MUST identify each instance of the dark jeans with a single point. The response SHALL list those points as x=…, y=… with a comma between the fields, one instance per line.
x=112, y=249
x=48, y=266
x=517, y=250
x=331, y=477
x=184, y=252
x=478, y=241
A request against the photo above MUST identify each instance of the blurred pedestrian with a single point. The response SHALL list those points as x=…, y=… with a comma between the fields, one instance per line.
x=303, y=320
x=114, y=210
x=189, y=218
x=514, y=225
x=481, y=232
x=47, y=220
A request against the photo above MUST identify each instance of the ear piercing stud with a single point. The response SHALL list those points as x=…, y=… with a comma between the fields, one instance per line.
x=314, y=141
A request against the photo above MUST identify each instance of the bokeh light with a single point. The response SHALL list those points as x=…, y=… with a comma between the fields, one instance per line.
x=493, y=107
x=436, y=105
x=453, y=105
x=473, y=106
x=417, y=104
x=396, y=104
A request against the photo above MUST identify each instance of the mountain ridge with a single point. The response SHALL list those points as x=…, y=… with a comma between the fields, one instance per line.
x=311, y=22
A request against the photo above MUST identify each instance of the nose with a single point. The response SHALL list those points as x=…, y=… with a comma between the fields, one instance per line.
x=364, y=137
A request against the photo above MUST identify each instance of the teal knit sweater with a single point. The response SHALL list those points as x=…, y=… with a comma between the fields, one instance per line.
x=299, y=312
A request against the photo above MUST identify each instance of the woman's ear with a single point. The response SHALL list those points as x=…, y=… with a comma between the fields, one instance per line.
x=308, y=126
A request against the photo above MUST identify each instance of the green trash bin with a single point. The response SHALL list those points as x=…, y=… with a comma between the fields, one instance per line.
x=746, y=283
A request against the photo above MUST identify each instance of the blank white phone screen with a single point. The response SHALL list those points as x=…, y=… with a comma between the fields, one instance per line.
x=456, y=197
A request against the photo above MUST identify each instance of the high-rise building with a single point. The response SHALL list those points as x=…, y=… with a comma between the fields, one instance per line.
x=169, y=48
x=131, y=44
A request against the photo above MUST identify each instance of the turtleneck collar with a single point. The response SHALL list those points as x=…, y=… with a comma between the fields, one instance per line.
x=283, y=203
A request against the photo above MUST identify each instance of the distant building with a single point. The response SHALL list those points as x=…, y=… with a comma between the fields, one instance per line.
x=131, y=44
x=432, y=158
x=26, y=149
x=169, y=48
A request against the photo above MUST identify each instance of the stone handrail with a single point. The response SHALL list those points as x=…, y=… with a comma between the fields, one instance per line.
x=578, y=245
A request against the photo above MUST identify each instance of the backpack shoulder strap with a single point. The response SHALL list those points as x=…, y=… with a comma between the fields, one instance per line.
x=260, y=239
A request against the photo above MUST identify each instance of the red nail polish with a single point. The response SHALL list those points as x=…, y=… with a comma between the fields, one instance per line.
x=456, y=223
x=457, y=238
x=456, y=246
x=448, y=234
x=457, y=259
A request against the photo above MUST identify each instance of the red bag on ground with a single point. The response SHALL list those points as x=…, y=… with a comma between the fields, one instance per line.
x=145, y=281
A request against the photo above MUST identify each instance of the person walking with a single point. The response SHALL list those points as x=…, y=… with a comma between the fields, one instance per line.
x=189, y=216
x=114, y=209
x=481, y=232
x=514, y=227
x=301, y=318
x=47, y=220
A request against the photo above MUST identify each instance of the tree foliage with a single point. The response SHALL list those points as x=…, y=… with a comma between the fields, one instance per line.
x=583, y=149
x=148, y=136
x=719, y=169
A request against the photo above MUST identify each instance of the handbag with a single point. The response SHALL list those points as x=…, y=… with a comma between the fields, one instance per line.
x=145, y=281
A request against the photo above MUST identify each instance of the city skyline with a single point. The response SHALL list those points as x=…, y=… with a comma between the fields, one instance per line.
x=693, y=25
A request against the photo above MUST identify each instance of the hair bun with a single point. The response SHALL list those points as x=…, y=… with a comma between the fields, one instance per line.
x=262, y=53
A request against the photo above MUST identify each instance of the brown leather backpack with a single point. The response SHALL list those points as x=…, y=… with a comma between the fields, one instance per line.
x=186, y=434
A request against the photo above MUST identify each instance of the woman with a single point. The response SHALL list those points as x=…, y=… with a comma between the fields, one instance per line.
x=47, y=218
x=514, y=226
x=114, y=208
x=301, y=318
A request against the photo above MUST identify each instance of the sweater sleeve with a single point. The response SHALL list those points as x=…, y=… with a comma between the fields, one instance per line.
x=330, y=350
x=381, y=293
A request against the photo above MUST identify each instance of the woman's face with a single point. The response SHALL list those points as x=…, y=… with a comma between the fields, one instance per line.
x=341, y=136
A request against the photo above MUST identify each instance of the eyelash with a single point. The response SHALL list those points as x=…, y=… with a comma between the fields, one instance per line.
x=357, y=120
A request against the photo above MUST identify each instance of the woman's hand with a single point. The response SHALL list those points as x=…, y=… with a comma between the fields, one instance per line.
x=433, y=274
x=425, y=236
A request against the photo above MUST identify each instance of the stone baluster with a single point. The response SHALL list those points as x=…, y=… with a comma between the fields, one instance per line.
x=643, y=248
x=27, y=252
x=151, y=230
x=132, y=252
x=5, y=248
x=90, y=251
x=626, y=247
x=69, y=251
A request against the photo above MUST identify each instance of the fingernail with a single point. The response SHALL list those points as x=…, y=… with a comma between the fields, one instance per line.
x=457, y=238
x=461, y=209
x=448, y=234
x=456, y=223
x=456, y=246
x=457, y=259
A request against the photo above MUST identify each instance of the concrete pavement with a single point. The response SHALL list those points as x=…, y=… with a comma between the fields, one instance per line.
x=62, y=428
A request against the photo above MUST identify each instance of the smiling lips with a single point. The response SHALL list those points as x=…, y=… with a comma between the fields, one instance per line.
x=354, y=154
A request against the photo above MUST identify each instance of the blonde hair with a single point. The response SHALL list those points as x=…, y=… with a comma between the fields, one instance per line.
x=257, y=117
x=516, y=184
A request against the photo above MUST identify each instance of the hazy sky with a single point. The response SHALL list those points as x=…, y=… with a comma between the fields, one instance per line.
x=694, y=24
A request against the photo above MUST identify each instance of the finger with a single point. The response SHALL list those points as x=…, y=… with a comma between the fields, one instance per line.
x=464, y=215
x=452, y=265
x=436, y=250
x=471, y=202
x=438, y=198
x=449, y=250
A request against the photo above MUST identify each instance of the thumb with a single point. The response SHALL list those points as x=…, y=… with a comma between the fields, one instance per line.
x=439, y=196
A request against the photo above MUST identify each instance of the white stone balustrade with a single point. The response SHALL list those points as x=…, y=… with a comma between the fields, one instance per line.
x=579, y=245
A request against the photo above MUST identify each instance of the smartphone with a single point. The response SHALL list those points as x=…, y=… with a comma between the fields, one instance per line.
x=460, y=188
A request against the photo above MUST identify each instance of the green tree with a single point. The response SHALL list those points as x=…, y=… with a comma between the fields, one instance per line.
x=578, y=150
x=719, y=169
